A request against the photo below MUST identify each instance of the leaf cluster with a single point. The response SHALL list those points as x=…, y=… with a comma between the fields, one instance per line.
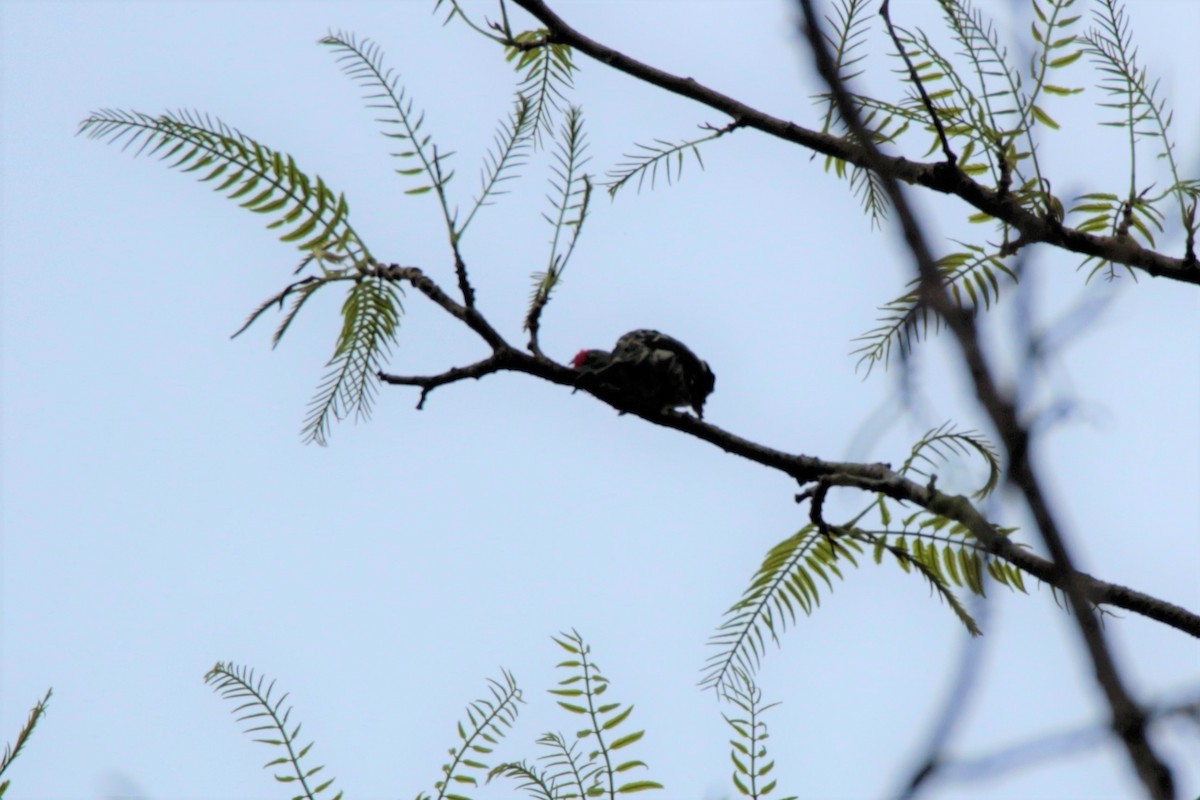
x=312, y=217
x=790, y=579
x=309, y=214
x=987, y=113
x=980, y=108
x=1143, y=116
x=985, y=109
x=593, y=762
x=589, y=763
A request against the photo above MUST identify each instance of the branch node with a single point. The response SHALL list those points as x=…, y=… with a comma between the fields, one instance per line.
x=817, y=505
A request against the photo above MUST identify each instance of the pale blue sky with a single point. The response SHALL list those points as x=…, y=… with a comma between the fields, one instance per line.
x=160, y=512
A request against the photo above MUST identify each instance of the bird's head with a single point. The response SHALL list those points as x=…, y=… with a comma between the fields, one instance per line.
x=590, y=359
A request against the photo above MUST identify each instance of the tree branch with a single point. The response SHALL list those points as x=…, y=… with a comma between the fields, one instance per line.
x=939, y=176
x=804, y=469
x=424, y=284
x=487, y=366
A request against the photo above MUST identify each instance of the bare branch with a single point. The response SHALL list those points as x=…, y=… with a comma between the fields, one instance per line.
x=916, y=79
x=424, y=284
x=939, y=176
x=477, y=370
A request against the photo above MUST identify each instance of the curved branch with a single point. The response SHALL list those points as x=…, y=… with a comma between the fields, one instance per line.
x=940, y=177
x=487, y=366
x=424, y=284
x=804, y=469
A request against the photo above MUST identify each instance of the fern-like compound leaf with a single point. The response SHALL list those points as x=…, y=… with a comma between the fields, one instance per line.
x=370, y=320
x=362, y=61
x=487, y=721
x=944, y=442
x=303, y=207
x=749, y=750
x=598, y=772
x=783, y=583
x=508, y=154
x=11, y=751
x=548, y=71
x=538, y=785
x=570, y=196
x=267, y=717
x=972, y=276
x=652, y=160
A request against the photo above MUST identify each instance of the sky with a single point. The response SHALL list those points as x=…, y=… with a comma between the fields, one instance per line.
x=161, y=512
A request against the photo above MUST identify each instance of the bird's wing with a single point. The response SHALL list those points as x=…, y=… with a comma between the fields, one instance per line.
x=654, y=340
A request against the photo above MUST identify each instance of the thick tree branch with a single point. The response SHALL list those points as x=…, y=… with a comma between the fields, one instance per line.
x=1128, y=718
x=804, y=469
x=940, y=177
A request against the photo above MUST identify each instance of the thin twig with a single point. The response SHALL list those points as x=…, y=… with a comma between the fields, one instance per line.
x=951, y=159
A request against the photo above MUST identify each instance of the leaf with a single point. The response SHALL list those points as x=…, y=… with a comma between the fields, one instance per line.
x=362, y=61
x=638, y=786
x=1044, y=118
x=764, y=609
x=280, y=184
x=617, y=720
x=572, y=191
x=370, y=319
x=651, y=160
x=236, y=683
x=626, y=740
x=1063, y=61
x=548, y=76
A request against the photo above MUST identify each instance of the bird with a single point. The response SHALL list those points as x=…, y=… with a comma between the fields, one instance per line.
x=648, y=369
